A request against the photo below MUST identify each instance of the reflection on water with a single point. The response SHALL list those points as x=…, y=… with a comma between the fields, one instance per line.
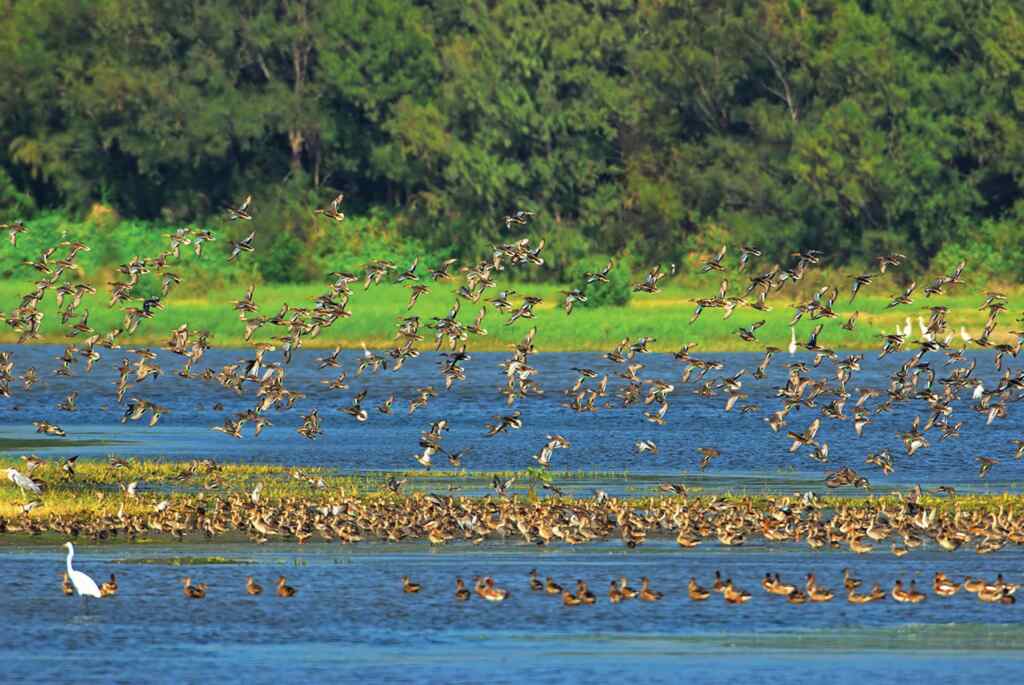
x=350, y=619
x=601, y=441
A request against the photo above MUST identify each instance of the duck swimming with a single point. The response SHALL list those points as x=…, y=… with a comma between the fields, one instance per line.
x=110, y=587
x=646, y=593
x=614, y=594
x=66, y=585
x=284, y=590
x=775, y=586
x=943, y=586
x=410, y=587
x=193, y=591
x=875, y=595
x=974, y=585
x=461, y=591
x=584, y=594
x=734, y=595
x=907, y=596
x=696, y=592
x=993, y=595
x=251, y=587
x=492, y=593
x=815, y=593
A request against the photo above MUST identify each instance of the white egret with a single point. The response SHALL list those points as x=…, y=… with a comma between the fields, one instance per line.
x=925, y=334
x=979, y=390
x=23, y=481
x=792, y=340
x=84, y=585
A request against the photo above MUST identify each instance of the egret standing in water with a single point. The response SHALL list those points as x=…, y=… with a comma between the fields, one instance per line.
x=84, y=585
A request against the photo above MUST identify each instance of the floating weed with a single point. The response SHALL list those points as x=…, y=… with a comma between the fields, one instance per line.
x=184, y=561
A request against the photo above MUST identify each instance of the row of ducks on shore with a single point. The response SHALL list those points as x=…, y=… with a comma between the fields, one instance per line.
x=906, y=523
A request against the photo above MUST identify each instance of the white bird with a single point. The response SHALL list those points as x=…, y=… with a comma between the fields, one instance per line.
x=925, y=335
x=23, y=481
x=792, y=340
x=544, y=456
x=979, y=390
x=84, y=585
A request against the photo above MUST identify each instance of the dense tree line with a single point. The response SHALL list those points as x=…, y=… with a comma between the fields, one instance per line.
x=642, y=128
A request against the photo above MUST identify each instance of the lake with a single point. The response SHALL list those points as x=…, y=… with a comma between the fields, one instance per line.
x=350, y=620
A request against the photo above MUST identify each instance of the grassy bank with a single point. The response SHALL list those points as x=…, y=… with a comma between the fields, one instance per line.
x=663, y=316
x=97, y=489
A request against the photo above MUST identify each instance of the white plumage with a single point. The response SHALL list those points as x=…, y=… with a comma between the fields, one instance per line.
x=23, y=481
x=84, y=585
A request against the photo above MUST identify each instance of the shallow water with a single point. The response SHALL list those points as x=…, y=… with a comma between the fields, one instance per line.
x=350, y=620
x=753, y=457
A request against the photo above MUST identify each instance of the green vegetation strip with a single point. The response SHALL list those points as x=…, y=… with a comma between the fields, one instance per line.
x=98, y=488
x=664, y=316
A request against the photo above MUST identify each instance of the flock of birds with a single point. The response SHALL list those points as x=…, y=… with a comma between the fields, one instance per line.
x=997, y=592
x=262, y=376
x=898, y=525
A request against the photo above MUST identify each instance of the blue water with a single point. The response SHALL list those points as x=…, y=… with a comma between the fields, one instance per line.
x=601, y=441
x=351, y=621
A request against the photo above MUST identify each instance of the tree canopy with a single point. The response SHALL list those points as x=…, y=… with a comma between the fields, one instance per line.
x=645, y=129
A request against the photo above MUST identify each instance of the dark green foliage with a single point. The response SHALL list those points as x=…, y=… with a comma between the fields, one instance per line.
x=282, y=260
x=647, y=129
x=615, y=292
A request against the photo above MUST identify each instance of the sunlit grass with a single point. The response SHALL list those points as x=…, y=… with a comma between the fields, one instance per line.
x=100, y=488
x=96, y=492
x=664, y=316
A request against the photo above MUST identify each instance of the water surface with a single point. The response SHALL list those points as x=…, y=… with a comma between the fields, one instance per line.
x=753, y=457
x=350, y=620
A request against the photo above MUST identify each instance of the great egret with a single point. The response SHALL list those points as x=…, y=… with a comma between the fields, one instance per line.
x=23, y=481
x=84, y=585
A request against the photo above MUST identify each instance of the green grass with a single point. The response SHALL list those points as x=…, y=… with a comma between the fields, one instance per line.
x=663, y=316
x=95, y=490
x=96, y=486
